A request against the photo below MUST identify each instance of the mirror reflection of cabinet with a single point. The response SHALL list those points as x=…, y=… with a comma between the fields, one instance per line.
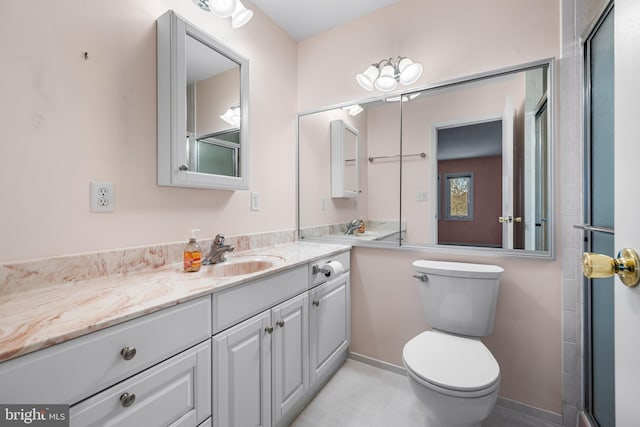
x=202, y=109
x=344, y=160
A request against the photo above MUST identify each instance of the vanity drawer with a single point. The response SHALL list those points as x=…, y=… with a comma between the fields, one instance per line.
x=71, y=371
x=177, y=392
x=316, y=278
x=241, y=302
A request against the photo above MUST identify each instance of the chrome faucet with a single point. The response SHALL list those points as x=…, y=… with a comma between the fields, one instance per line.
x=353, y=225
x=218, y=249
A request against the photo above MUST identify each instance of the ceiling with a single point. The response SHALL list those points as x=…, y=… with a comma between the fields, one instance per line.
x=305, y=18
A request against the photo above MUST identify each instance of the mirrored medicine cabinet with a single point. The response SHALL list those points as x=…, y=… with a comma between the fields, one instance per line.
x=203, y=89
x=466, y=165
x=344, y=160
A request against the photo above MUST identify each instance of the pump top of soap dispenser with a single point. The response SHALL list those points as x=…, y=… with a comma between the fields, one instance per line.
x=193, y=235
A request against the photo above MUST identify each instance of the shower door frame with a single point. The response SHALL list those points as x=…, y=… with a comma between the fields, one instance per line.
x=586, y=38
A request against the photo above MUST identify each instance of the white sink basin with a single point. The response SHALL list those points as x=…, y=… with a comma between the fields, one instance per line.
x=241, y=265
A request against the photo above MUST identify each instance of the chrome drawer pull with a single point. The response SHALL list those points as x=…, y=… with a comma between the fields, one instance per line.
x=280, y=323
x=269, y=329
x=127, y=399
x=128, y=353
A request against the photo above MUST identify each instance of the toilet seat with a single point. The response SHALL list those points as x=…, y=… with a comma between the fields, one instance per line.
x=451, y=364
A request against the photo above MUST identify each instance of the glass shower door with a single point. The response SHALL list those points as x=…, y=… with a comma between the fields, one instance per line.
x=599, y=191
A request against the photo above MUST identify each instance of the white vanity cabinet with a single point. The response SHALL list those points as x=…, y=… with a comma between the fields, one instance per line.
x=156, y=366
x=173, y=393
x=242, y=374
x=290, y=354
x=262, y=366
x=330, y=325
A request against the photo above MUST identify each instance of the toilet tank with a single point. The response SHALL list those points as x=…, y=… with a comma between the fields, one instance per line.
x=459, y=297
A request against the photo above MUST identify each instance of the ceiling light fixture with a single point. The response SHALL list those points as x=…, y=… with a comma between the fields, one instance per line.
x=233, y=9
x=386, y=74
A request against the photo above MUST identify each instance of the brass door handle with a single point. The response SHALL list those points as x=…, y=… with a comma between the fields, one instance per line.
x=626, y=266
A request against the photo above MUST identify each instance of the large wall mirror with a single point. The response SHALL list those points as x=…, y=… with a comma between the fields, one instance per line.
x=464, y=165
x=202, y=109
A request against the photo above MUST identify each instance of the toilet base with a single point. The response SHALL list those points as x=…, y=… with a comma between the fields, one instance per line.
x=451, y=411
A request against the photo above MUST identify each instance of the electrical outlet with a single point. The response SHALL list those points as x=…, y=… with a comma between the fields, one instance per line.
x=323, y=204
x=255, y=201
x=102, y=197
x=421, y=196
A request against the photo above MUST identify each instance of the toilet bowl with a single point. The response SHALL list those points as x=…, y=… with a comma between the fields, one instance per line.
x=451, y=372
x=456, y=379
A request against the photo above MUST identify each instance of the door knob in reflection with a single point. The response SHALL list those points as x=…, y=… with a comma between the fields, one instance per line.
x=626, y=266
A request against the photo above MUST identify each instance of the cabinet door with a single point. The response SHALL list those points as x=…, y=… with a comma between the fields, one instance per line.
x=242, y=374
x=330, y=324
x=290, y=351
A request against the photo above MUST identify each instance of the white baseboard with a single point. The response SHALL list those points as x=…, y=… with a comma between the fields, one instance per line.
x=377, y=363
x=531, y=411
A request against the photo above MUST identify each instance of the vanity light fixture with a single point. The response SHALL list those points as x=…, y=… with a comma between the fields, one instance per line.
x=232, y=116
x=233, y=9
x=386, y=74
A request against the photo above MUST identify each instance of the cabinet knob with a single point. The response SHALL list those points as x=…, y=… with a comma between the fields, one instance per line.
x=269, y=329
x=280, y=323
x=127, y=399
x=183, y=168
x=316, y=302
x=128, y=353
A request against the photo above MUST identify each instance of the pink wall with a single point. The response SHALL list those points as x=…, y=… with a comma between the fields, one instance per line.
x=484, y=230
x=66, y=121
x=213, y=97
x=386, y=313
x=451, y=39
x=383, y=190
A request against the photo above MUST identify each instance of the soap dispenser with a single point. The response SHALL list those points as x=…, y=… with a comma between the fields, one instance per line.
x=361, y=229
x=192, y=254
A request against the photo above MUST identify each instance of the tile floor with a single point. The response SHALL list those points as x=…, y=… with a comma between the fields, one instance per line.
x=360, y=395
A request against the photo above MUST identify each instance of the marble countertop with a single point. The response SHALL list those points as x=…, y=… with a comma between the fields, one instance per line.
x=40, y=317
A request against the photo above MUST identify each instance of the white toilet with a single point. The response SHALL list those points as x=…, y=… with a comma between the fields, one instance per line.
x=450, y=370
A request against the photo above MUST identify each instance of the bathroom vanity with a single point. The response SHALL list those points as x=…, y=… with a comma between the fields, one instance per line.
x=291, y=332
x=212, y=348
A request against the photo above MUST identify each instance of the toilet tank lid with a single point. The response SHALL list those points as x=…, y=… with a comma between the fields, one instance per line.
x=458, y=269
x=452, y=362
